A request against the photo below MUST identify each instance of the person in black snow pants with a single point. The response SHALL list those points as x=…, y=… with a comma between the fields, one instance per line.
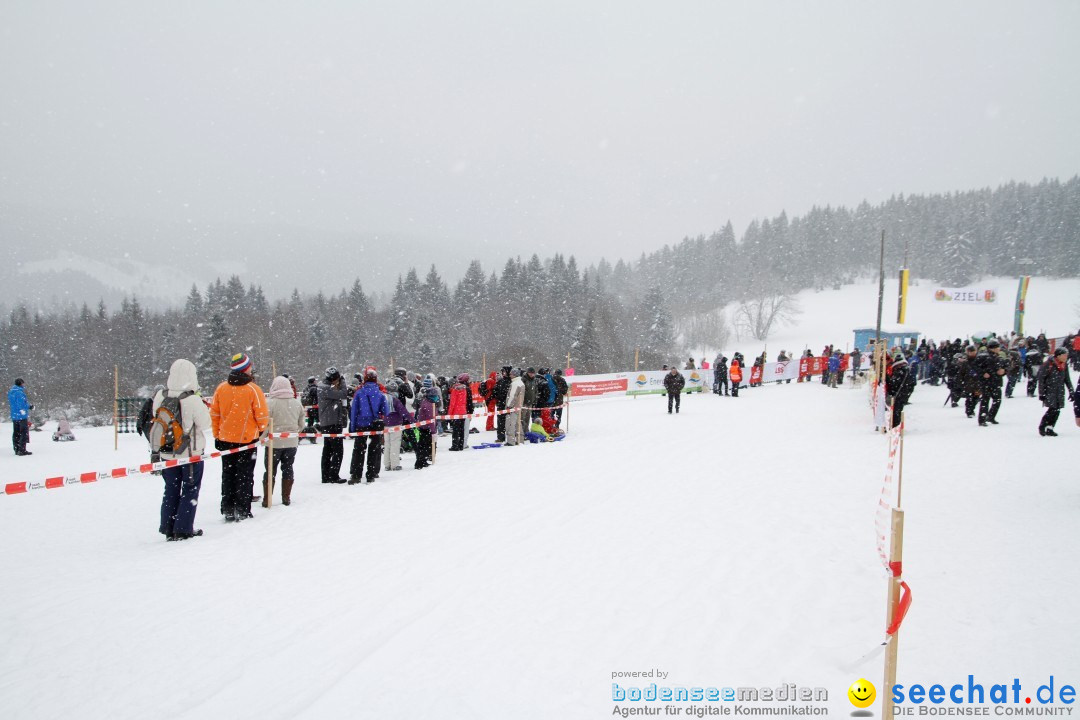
x=673, y=385
x=1053, y=380
x=333, y=396
x=991, y=368
x=720, y=379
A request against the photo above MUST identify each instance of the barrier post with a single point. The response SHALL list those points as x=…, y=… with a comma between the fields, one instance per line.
x=566, y=399
x=896, y=555
x=483, y=367
x=268, y=500
x=116, y=407
x=896, y=559
x=636, y=352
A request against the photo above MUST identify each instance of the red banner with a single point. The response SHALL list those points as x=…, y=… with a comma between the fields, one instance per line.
x=600, y=387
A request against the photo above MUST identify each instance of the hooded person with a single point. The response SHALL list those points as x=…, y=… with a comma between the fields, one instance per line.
x=239, y=416
x=63, y=431
x=398, y=416
x=20, y=417
x=333, y=408
x=720, y=377
x=1053, y=379
x=529, y=379
x=834, y=367
x=310, y=400
x=899, y=384
x=287, y=414
x=501, y=393
x=368, y=415
x=562, y=389
x=515, y=398
x=183, y=482
x=735, y=373
x=461, y=403
x=427, y=410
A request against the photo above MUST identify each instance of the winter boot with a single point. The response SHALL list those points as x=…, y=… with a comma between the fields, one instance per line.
x=286, y=491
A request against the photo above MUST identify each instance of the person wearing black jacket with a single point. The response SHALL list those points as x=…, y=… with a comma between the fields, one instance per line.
x=899, y=384
x=967, y=378
x=541, y=389
x=720, y=380
x=501, y=391
x=990, y=367
x=310, y=400
x=1053, y=379
x=673, y=385
x=333, y=401
x=1034, y=363
x=561, y=389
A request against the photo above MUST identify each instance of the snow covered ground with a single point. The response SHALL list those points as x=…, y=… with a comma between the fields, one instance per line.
x=830, y=316
x=730, y=545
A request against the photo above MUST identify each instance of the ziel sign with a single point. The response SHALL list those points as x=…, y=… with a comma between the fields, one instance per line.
x=969, y=295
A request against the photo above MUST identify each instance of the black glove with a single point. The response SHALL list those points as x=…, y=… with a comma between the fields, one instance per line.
x=31, y=407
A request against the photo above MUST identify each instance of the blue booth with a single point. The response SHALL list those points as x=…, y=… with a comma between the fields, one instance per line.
x=892, y=336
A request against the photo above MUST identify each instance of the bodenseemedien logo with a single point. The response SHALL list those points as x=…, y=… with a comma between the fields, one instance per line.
x=701, y=701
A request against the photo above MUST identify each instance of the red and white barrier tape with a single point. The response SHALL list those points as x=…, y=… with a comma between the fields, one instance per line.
x=882, y=518
x=59, y=481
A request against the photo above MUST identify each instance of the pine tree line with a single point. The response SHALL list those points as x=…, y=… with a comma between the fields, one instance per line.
x=535, y=311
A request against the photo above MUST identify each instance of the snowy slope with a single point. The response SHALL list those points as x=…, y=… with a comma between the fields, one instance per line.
x=830, y=316
x=729, y=545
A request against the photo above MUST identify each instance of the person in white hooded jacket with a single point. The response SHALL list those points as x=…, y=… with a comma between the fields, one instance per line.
x=182, y=483
x=515, y=398
x=287, y=414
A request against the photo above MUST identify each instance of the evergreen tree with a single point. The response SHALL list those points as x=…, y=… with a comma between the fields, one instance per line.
x=216, y=350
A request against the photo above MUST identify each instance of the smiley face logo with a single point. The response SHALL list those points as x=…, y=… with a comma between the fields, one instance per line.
x=861, y=693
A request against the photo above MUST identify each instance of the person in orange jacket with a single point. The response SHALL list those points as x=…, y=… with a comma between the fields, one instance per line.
x=735, y=374
x=238, y=416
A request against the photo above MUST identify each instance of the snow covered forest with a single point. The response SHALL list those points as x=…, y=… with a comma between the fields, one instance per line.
x=533, y=311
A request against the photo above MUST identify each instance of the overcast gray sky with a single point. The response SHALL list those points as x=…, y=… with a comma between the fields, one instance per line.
x=583, y=127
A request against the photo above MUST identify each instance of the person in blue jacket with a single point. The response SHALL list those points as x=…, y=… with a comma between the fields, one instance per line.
x=834, y=368
x=20, y=417
x=552, y=390
x=369, y=411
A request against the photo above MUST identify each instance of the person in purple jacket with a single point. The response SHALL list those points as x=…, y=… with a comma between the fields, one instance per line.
x=428, y=401
x=397, y=417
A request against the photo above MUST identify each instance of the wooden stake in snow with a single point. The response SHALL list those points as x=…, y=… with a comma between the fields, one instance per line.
x=896, y=559
x=268, y=499
x=116, y=407
x=566, y=399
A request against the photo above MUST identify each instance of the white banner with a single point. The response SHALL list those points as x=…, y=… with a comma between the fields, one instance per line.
x=787, y=370
x=966, y=295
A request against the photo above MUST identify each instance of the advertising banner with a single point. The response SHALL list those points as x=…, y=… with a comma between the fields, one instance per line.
x=650, y=382
x=596, y=388
x=901, y=303
x=966, y=295
x=1021, y=301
